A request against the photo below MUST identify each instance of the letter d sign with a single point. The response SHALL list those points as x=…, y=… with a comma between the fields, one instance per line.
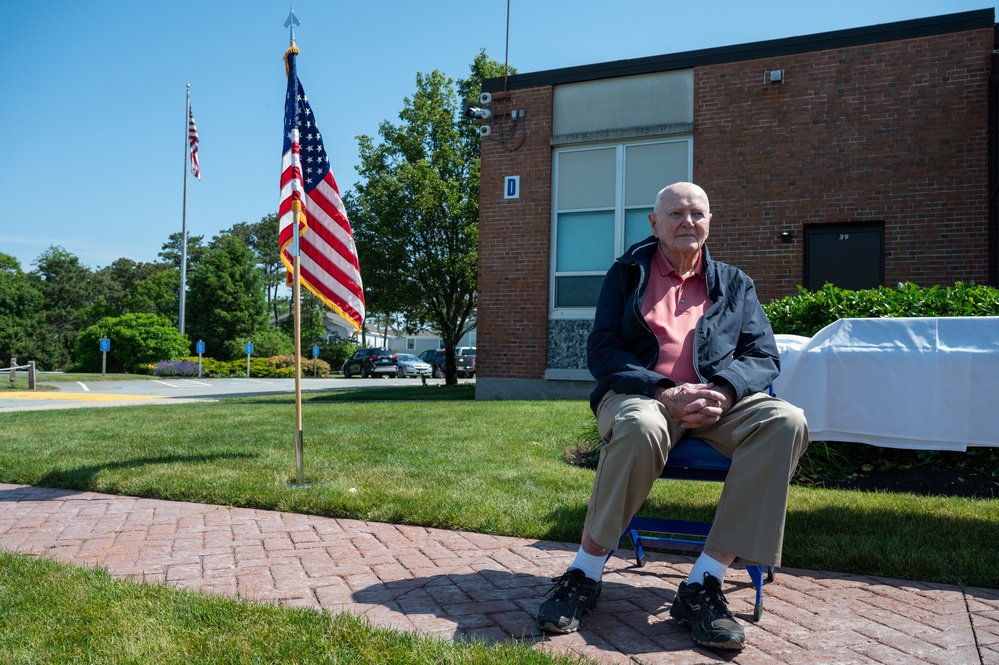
x=511, y=187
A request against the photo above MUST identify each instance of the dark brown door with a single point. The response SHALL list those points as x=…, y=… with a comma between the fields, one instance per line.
x=850, y=256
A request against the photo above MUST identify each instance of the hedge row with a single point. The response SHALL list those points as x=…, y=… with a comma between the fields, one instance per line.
x=810, y=311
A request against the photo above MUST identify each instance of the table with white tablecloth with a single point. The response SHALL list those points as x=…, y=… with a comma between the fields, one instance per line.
x=920, y=383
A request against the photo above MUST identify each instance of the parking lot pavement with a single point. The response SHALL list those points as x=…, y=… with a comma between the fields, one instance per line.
x=172, y=390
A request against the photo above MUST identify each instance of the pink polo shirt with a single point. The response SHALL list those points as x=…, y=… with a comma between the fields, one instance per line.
x=672, y=307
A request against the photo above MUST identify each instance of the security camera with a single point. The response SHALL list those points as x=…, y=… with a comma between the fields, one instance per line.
x=485, y=131
x=486, y=98
x=477, y=112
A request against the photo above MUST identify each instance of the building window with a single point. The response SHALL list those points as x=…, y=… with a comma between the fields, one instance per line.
x=603, y=196
x=410, y=344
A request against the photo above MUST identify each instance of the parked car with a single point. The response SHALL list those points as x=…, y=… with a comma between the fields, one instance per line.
x=430, y=357
x=468, y=352
x=371, y=362
x=436, y=358
x=410, y=365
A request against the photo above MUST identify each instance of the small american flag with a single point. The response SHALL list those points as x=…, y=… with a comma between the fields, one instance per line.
x=192, y=140
x=310, y=196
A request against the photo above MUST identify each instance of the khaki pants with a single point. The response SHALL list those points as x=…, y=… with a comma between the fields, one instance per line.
x=764, y=437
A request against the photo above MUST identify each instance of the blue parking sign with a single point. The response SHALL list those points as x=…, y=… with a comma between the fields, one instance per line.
x=315, y=350
x=105, y=344
x=200, y=347
x=249, y=348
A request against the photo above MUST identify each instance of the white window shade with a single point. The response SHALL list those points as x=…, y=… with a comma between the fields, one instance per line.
x=650, y=167
x=586, y=179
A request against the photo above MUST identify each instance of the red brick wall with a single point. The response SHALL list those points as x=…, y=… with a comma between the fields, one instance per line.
x=514, y=236
x=895, y=132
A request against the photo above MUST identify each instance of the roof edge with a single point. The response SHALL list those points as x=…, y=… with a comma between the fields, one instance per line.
x=970, y=20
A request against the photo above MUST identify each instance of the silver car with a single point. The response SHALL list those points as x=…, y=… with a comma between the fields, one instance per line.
x=410, y=365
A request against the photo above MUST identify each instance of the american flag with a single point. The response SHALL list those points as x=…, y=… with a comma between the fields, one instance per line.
x=192, y=141
x=328, y=258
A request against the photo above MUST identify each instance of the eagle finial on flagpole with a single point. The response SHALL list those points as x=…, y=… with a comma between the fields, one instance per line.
x=291, y=23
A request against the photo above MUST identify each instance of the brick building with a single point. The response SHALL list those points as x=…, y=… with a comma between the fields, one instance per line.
x=857, y=157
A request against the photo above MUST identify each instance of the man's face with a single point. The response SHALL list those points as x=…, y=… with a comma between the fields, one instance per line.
x=682, y=220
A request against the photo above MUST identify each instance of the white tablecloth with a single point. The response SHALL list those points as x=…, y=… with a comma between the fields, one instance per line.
x=921, y=383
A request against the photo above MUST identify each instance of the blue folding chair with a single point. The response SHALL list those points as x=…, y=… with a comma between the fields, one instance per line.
x=690, y=459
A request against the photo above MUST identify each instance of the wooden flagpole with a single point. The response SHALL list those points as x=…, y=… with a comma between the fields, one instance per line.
x=296, y=291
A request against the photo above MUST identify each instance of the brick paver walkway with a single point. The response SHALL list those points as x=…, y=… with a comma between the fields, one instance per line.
x=463, y=584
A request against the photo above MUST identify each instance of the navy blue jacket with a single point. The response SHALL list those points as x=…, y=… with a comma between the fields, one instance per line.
x=733, y=341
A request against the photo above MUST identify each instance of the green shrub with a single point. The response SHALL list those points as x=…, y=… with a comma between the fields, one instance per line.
x=284, y=366
x=272, y=342
x=810, y=311
x=137, y=340
x=337, y=351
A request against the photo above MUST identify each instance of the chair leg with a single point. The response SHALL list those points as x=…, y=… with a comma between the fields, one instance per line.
x=756, y=574
x=636, y=541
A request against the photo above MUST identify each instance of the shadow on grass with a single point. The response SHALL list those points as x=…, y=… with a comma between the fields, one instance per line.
x=82, y=477
x=418, y=393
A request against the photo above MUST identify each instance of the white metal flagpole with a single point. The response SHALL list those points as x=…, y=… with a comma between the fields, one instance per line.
x=183, y=228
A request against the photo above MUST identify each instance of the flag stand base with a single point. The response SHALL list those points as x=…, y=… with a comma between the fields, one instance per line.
x=299, y=483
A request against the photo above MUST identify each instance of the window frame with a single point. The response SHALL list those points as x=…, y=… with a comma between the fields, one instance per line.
x=619, y=210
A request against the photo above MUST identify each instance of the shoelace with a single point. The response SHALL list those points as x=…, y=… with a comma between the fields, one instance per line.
x=713, y=596
x=564, y=585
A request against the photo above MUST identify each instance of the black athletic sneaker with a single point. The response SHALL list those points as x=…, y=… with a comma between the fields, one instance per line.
x=704, y=609
x=572, y=595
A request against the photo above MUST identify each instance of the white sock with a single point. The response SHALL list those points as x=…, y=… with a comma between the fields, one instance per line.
x=592, y=566
x=705, y=564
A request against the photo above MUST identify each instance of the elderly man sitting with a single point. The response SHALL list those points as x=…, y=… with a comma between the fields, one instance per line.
x=681, y=346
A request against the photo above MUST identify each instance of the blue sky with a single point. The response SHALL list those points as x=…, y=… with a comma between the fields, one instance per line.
x=92, y=109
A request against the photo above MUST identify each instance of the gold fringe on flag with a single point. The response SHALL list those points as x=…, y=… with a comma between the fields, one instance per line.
x=292, y=49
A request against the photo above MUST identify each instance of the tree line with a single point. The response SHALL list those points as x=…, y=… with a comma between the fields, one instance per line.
x=54, y=313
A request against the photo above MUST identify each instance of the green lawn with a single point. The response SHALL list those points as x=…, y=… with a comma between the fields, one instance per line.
x=435, y=457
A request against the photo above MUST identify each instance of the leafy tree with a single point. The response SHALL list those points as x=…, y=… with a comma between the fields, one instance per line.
x=21, y=321
x=415, y=212
x=67, y=288
x=312, y=312
x=226, y=304
x=115, y=285
x=159, y=294
x=336, y=351
x=172, y=250
x=262, y=238
x=136, y=339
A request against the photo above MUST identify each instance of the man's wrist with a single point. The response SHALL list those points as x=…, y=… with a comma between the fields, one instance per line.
x=728, y=391
x=660, y=390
